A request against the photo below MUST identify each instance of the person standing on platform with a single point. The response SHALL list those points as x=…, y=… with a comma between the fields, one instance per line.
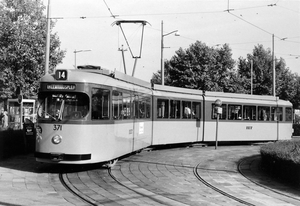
x=1, y=116
x=5, y=120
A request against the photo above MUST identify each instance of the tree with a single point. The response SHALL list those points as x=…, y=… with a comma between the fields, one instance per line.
x=201, y=67
x=286, y=82
x=22, y=46
x=263, y=74
x=295, y=86
x=262, y=71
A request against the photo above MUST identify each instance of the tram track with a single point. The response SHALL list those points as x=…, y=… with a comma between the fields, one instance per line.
x=141, y=192
x=146, y=193
x=128, y=181
x=219, y=190
x=240, y=170
x=74, y=191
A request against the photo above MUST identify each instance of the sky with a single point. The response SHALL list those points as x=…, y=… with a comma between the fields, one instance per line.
x=88, y=27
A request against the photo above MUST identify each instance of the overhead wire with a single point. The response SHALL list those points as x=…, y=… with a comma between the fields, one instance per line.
x=157, y=14
x=289, y=9
x=286, y=39
x=112, y=15
x=282, y=39
x=248, y=22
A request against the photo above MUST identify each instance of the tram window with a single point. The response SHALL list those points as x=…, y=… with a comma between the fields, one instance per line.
x=117, y=104
x=288, y=114
x=214, y=114
x=63, y=106
x=175, y=109
x=148, y=107
x=162, y=108
x=127, y=108
x=279, y=113
x=263, y=113
x=100, y=103
x=196, y=110
x=143, y=107
x=186, y=109
x=234, y=112
x=276, y=113
x=136, y=106
x=249, y=112
x=139, y=107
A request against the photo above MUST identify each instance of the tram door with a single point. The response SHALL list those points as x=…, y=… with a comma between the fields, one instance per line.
x=142, y=123
x=123, y=121
x=131, y=114
x=197, y=117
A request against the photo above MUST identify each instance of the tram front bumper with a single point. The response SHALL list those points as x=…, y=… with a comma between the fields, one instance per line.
x=57, y=157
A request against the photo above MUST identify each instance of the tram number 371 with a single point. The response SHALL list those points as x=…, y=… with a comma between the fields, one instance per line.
x=57, y=127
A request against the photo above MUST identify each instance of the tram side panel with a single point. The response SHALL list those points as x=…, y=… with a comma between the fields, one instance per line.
x=129, y=136
x=247, y=120
x=173, y=132
x=123, y=135
x=285, y=131
x=240, y=131
x=285, y=126
x=103, y=143
x=142, y=134
x=173, y=123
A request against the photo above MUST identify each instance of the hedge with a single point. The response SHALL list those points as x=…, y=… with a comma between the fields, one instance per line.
x=282, y=159
x=296, y=128
x=14, y=142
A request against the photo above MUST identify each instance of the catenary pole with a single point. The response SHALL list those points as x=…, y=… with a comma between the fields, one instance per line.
x=47, y=52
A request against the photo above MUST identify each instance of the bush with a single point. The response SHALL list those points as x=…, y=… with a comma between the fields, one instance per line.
x=13, y=142
x=282, y=160
x=296, y=128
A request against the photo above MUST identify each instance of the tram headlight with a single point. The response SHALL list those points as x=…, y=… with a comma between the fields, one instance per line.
x=56, y=139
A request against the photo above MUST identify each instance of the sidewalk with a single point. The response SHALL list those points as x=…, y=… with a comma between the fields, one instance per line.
x=23, y=181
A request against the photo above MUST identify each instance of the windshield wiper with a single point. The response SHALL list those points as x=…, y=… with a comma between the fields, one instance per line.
x=46, y=113
x=61, y=110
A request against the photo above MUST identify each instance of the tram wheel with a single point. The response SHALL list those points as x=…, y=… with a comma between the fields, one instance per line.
x=111, y=163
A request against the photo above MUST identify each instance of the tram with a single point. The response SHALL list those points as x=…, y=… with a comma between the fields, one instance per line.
x=92, y=115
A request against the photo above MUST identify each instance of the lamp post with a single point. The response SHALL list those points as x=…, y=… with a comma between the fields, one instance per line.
x=218, y=110
x=251, y=73
x=47, y=49
x=274, y=70
x=162, y=66
x=77, y=51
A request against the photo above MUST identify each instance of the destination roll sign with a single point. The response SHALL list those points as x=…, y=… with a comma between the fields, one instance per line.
x=60, y=86
x=61, y=74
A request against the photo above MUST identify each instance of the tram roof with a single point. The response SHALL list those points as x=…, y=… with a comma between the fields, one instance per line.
x=212, y=94
x=163, y=89
x=169, y=91
x=94, y=76
x=180, y=90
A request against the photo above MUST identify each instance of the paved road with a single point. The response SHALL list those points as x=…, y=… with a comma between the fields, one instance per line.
x=159, y=177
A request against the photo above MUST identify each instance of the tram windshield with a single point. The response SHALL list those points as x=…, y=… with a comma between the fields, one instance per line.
x=63, y=106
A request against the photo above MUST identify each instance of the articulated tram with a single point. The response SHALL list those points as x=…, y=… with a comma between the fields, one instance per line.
x=91, y=115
